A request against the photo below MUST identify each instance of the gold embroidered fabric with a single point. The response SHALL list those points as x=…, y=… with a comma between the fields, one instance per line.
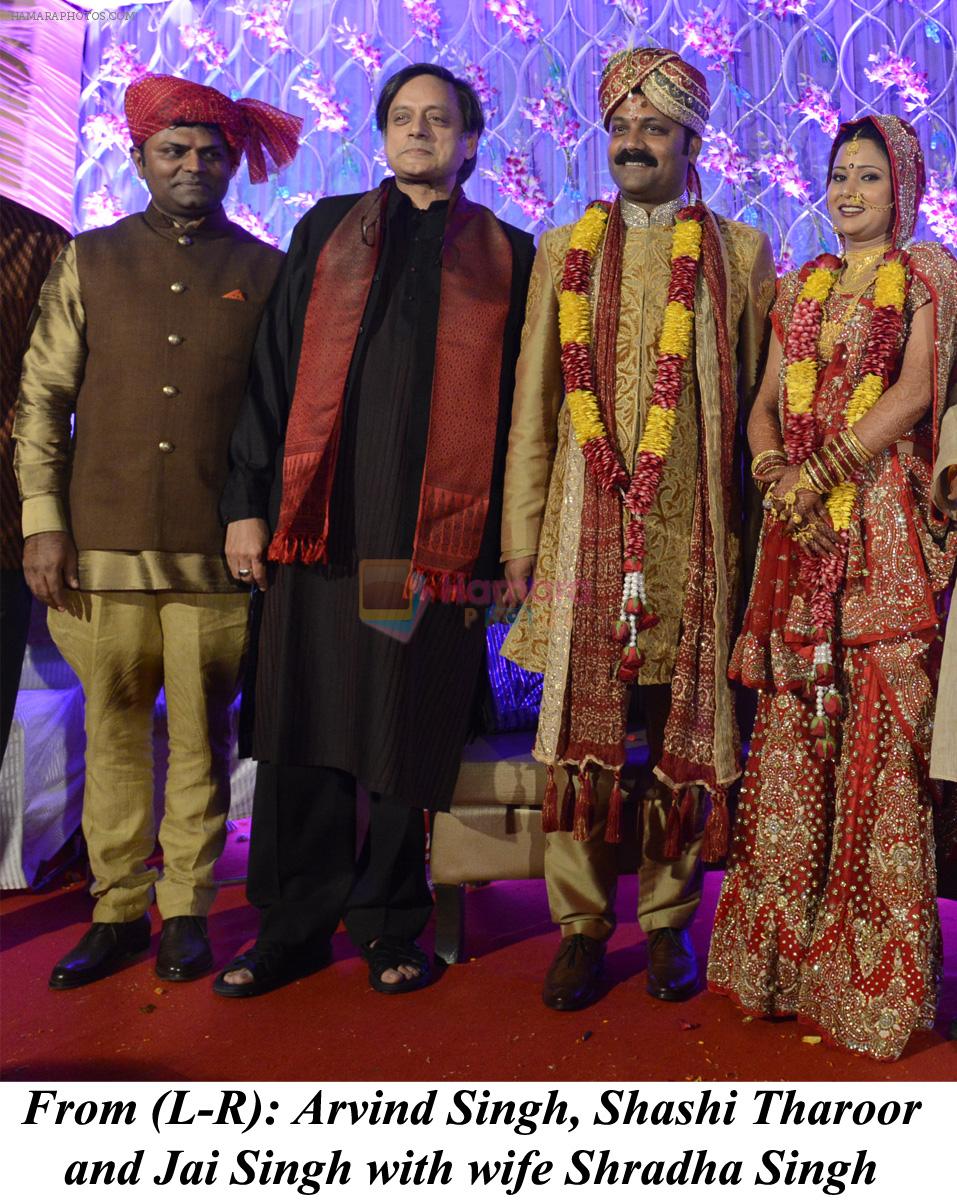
x=546, y=615
x=828, y=909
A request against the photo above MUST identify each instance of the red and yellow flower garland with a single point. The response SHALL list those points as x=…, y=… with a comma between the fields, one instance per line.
x=801, y=439
x=575, y=330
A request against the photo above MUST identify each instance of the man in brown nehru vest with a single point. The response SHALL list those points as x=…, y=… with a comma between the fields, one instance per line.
x=143, y=341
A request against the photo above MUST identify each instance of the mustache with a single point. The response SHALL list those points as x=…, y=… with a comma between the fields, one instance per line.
x=635, y=156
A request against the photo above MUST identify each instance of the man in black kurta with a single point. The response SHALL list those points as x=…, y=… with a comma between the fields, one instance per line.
x=337, y=702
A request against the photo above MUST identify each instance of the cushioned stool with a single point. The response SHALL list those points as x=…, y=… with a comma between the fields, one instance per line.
x=493, y=830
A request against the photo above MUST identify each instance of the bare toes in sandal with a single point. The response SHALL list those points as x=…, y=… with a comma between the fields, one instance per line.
x=396, y=965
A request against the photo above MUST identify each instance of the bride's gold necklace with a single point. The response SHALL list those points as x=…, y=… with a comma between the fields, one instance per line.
x=860, y=271
x=860, y=267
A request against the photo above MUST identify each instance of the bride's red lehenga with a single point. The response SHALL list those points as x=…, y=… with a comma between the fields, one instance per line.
x=828, y=908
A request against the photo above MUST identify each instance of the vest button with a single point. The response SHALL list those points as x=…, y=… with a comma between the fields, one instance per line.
x=167, y=447
x=175, y=339
x=185, y=240
x=177, y=287
x=169, y=390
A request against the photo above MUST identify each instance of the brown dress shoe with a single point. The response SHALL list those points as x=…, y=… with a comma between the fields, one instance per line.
x=672, y=965
x=572, y=979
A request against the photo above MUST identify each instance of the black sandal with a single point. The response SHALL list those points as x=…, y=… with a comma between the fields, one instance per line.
x=390, y=953
x=271, y=967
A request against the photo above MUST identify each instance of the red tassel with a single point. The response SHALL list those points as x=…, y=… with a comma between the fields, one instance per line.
x=568, y=803
x=550, y=804
x=687, y=812
x=716, y=831
x=613, y=824
x=584, y=808
x=672, y=848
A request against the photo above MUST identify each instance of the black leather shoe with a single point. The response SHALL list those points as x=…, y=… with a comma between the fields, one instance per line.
x=102, y=950
x=672, y=965
x=184, y=952
x=572, y=979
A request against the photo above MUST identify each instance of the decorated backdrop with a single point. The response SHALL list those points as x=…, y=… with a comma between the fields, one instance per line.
x=781, y=74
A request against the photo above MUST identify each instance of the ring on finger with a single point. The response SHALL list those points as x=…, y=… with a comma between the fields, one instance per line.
x=243, y=572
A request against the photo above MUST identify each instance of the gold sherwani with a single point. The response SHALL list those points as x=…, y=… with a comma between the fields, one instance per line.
x=545, y=469
x=544, y=479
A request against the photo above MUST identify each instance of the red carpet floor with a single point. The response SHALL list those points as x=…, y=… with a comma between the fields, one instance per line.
x=482, y=1020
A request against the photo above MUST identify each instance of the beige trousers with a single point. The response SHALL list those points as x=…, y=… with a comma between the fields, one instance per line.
x=125, y=646
x=582, y=877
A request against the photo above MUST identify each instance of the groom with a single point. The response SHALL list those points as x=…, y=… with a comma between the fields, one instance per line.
x=622, y=387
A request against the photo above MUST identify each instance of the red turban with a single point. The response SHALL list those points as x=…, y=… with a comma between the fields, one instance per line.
x=156, y=102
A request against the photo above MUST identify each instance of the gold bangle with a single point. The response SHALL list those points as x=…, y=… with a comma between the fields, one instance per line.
x=819, y=476
x=857, y=447
x=775, y=458
x=833, y=470
x=806, y=482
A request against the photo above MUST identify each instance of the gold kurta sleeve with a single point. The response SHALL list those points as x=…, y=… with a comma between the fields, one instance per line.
x=754, y=331
x=538, y=398
x=946, y=461
x=754, y=326
x=52, y=373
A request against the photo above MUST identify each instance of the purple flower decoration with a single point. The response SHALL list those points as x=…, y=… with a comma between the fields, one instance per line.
x=708, y=34
x=609, y=49
x=426, y=19
x=550, y=114
x=121, y=65
x=517, y=16
x=333, y=113
x=785, y=173
x=783, y=8
x=815, y=102
x=301, y=201
x=634, y=11
x=939, y=207
x=477, y=76
x=266, y=21
x=358, y=46
x=106, y=131
x=203, y=45
x=892, y=70
x=784, y=260
x=721, y=155
x=101, y=208
x=243, y=215
x=519, y=183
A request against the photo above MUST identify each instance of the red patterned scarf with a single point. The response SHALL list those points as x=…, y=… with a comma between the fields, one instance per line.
x=593, y=725
x=473, y=309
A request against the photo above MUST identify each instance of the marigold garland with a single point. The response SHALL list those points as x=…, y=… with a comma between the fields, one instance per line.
x=801, y=438
x=674, y=347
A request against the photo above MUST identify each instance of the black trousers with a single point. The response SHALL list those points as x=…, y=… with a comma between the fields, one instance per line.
x=306, y=871
x=15, y=601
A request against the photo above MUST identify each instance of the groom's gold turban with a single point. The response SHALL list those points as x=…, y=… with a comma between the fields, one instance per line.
x=673, y=86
